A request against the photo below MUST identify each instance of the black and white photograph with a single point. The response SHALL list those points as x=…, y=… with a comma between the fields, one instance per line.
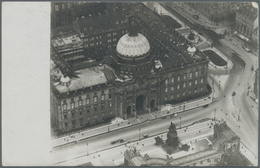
x=172, y=83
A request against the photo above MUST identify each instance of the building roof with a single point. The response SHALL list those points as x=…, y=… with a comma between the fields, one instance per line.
x=133, y=46
x=86, y=78
x=249, y=11
x=97, y=21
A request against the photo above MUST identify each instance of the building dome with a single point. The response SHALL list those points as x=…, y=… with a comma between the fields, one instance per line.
x=133, y=46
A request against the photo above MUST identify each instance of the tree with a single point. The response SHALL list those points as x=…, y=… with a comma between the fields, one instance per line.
x=158, y=140
x=191, y=36
x=185, y=147
x=172, y=137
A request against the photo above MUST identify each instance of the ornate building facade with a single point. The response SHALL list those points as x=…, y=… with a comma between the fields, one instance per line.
x=149, y=66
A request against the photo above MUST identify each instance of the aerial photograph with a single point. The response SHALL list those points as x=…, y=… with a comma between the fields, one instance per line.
x=154, y=83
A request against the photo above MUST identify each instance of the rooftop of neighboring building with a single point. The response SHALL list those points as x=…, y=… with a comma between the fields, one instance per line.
x=108, y=19
x=85, y=78
x=249, y=11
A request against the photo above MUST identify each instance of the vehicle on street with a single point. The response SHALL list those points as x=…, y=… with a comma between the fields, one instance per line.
x=164, y=117
x=122, y=140
x=113, y=142
x=195, y=16
x=247, y=49
x=145, y=135
x=205, y=106
x=234, y=93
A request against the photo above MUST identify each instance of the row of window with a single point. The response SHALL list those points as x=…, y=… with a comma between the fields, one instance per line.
x=87, y=109
x=100, y=37
x=80, y=102
x=185, y=76
x=99, y=43
x=81, y=120
x=57, y=8
x=184, y=84
x=183, y=94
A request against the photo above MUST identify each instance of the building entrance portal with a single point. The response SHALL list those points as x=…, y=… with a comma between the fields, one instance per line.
x=128, y=111
x=140, y=103
x=152, y=105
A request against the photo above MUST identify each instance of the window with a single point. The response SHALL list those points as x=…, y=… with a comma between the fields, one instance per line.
x=201, y=89
x=88, y=109
x=179, y=78
x=108, y=35
x=189, y=91
x=166, y=89
x=197, y=73
x=110, y=104
x=56, y=7
x=80, y=102
x=73, y=123
x=86, y=45
x=195, y=90
x=81, y=121
x=68, y=5
x=172, y=88
x=166, y=98
x=72, y=113
x=110, y=113
x=189, y=83
x=171, y=96
x=190, y=75
x=88, y=118
x=97, y=37
x=172, y=79
x=178, y=95
x=64, y=106
x=114, y=39
x=109, y=40
x=184, y=76
x=95, y=99
x=72, y=105
x=87, y=100
x=184, y=93
x=123, y=32
x=110, y=96
x=100, y=42
x=202, y=71
x=166, y=81
x=102, y=97
x=95, y=116
x=63, y=6
x=92, y=44
x=209, y=160
x=201, y=80
x=196, y=81
x=80, y=111
x=95, y=108
x=114, y=34
x=96, y=43
x=102, y=105
x=66, y=124
x=65, y=116
x=100, y=37
x=178, y=86
x=184, y=84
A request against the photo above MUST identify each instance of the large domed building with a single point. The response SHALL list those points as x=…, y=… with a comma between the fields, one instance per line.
x=133, y=53
x=146, y=67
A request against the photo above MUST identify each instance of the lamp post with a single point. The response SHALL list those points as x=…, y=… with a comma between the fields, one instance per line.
x=139, y=133
x=180, y=122
x=87, y=149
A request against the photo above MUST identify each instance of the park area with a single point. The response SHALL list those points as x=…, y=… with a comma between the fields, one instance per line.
x=170, y=22
x=215, y=58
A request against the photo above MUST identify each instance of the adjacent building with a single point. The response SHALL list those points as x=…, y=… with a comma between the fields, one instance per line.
x=147, y=66
x=217, y=11
x=247, y=21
